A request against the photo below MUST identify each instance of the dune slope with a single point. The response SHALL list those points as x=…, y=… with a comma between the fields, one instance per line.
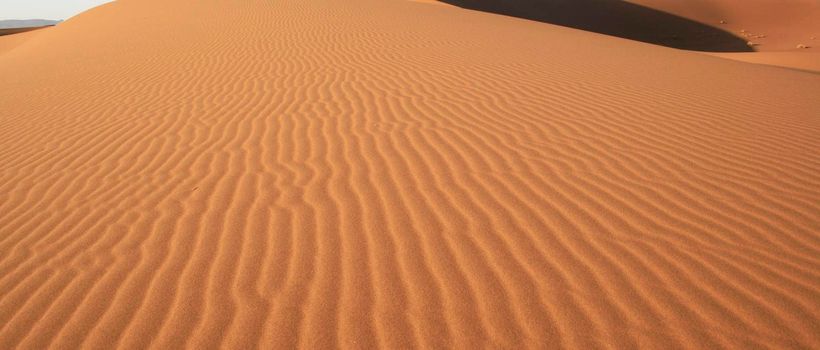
x=772, y=25
x=10, y=42
x=4, y=32
x=360, y=174
x=806, y=61
x=620, y=18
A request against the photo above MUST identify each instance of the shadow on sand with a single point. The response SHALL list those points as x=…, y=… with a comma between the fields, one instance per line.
x=10, y=31
x=617, y=18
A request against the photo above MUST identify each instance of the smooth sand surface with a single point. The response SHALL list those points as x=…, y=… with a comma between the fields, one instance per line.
x=10, y=42
x=808, y=61
x=395, y=174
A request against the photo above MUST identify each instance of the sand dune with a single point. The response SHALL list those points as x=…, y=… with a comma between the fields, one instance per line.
x=773, y=25
x=732, y=29
x=10, y=31
x=783, y=33
x=647, y=21
x=10, y=42
x=809, y=61
x=395, y=174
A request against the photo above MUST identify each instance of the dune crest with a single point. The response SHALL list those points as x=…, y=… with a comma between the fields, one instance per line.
x=369, y=173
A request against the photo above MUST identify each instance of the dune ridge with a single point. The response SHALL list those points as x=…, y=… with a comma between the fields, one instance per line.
x=393, y=174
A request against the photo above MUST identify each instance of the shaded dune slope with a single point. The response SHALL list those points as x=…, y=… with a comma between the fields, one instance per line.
x=773, y=25
x=10, y=31
x=618, y=18
x=395, y=174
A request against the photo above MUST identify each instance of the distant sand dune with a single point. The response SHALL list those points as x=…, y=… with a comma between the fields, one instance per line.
x=10, y=31
x=727, y=27
x=773, y=24
x=362, y=174
x=644, y=21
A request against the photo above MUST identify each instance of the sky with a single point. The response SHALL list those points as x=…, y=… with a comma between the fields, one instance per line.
x=45, y=9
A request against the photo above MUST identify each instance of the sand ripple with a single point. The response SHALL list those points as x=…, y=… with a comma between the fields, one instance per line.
x=392, y=174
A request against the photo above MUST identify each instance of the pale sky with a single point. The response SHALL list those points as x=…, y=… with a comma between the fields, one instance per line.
x=45, y=9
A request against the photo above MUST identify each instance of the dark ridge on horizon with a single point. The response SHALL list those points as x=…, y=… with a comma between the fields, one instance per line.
x=10, y=31
x=27, y=23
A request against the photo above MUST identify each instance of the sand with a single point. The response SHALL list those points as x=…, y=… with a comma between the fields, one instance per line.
x=397, y=174
x=10, y=42
x=809, y=61
x=10, y=31
x=781, y=33
x=773, y=25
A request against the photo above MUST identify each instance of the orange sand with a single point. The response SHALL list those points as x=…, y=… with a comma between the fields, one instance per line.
x=394, y=174
x=10, y=42
x=809, y=61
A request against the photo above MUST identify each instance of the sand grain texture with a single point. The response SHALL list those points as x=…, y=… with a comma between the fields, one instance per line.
x=394, y=174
